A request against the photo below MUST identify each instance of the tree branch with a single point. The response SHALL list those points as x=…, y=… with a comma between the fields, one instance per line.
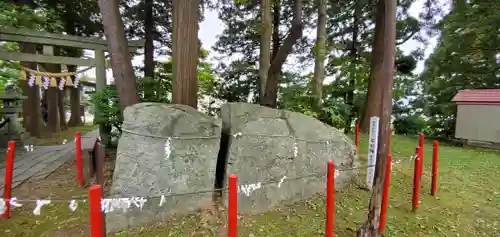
x=291, y=39
x=406, y=39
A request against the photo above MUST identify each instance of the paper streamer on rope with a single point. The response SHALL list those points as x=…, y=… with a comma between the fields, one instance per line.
x=29, y=148
x=45, y=82
x=73, y=204
x=39, y=205
x=31, y=81
x=281, y=181
x=168, y=148
x=13, y=202
x=112, y=204
x=61, y=84
x=77, y=80
x=162, y=200
x=3, y=207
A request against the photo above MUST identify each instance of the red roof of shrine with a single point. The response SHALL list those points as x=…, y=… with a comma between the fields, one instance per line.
x=479, y=96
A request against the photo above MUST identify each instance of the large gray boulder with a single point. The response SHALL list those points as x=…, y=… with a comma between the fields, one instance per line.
x=163, y=149
x=265, y=145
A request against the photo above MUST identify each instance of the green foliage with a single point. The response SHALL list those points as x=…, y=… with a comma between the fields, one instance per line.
x=409, y=125
x=465, y=58
x=157, y=89
x=108, y=110
x=23, y=16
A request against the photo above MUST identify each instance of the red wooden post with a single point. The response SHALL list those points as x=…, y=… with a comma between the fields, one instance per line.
x=421, y=161
x=330, y=200
x=421, y=145
x=385, y=195
x=435, y=154
x=416, y=181
x=9, y=171
x=79, y=163
x=233, y=206
x=356, y=140
x=96, y=214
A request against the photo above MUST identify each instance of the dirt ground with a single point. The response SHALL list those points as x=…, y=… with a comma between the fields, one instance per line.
x=56, y=219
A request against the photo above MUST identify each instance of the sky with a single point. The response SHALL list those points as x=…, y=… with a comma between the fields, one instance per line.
x=211, y=27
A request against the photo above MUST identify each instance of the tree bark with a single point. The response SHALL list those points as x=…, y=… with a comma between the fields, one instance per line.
x=185, y=52
x=32, y=111
x=75, y=118
x=383, y=74
x=319, y=64
x=148, y=36
x=61, y=96
x=265, y=43
x=373, y=103
x=276, y=29
x=123, y=72
x=354, y=61
x=279, y=57
x=53, y=122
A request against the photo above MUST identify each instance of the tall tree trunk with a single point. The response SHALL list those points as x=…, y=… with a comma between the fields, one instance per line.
x=32, y=111
x=123, y=72
x=354, y=61
x=75, y=118
x=383, y=73
x=373, y=103
x=265, y=41
x=276, y=29
x=319, y=64
x=148, y=35
x=53, y=123
x=61, y=97
x=185, y=52
x=279, y=57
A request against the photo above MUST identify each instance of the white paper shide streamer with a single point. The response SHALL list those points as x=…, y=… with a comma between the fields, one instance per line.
x=77, y=80
x=295, y=149
x=29, y=148
x=168, y=148
x=372, y=151
x=12, y=202
x=31, y=81
x=247, y=189
x=46, y=82
x=123, y=204
x=3, y=206
x=61, y=84
x=73, y=204
x=39, y=205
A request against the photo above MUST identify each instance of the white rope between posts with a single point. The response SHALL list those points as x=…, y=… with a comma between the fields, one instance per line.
x=124, y=203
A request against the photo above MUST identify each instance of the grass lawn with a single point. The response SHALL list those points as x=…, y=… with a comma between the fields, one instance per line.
x=467, y=203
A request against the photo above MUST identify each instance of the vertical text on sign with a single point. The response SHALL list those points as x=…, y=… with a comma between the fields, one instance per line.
x=372, y=150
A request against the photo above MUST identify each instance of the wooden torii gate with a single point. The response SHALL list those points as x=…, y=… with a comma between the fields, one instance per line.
x=49, y=40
